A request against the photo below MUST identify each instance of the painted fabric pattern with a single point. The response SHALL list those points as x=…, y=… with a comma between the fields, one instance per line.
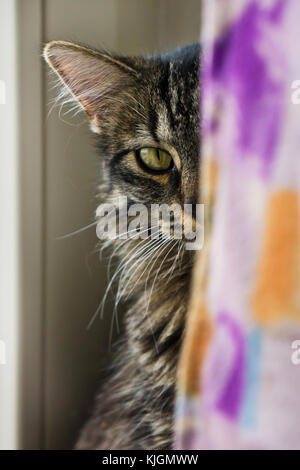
x=239, y=378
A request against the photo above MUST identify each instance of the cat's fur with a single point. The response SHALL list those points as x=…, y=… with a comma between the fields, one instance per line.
x=134, y=103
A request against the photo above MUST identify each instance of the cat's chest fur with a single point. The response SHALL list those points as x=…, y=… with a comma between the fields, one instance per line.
x=134, y=410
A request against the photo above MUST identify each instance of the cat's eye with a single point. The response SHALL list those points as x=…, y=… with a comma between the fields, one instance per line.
x=155, y=159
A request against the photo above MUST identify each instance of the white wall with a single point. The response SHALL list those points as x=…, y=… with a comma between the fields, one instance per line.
x=9, y=228
x=21, y=199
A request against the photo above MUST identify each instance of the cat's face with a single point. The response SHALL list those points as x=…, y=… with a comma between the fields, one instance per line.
x=146, y=114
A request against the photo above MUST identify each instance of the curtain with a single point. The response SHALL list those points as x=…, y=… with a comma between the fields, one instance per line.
x=239, y=372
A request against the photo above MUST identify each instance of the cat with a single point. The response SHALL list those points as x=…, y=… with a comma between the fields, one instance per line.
x=144, y=111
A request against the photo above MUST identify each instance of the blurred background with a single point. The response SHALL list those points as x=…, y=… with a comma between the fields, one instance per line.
x=50, y=287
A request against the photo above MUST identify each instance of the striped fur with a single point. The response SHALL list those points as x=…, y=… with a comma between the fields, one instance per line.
x=153, y=103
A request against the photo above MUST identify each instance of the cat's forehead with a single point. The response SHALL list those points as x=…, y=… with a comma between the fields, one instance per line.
x=161, y=107
x=173, y=98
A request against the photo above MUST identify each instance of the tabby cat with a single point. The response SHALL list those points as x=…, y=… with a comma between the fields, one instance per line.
x=136, y=107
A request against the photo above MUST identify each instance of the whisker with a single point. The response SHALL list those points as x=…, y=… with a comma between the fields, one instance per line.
x=67, y=235
x=173, y=264
x=157, y=273
x=145, y=268
x=153, y=249
x=142, y=250
x=119, y=295
x=123, y=243
x=108, y=243
x=102, y=303
x=149, y=298
x=145, y=249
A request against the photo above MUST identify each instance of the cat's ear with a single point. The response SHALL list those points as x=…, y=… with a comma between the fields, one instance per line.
x=92, y=78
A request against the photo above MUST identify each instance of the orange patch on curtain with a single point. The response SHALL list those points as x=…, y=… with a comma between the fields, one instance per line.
x=198, y=337
x=199, y=327
x=275, y=295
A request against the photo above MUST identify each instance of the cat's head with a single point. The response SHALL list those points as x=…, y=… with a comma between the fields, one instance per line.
x=145, y=112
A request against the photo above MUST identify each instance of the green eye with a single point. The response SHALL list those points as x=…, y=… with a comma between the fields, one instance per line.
x=155, y=159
